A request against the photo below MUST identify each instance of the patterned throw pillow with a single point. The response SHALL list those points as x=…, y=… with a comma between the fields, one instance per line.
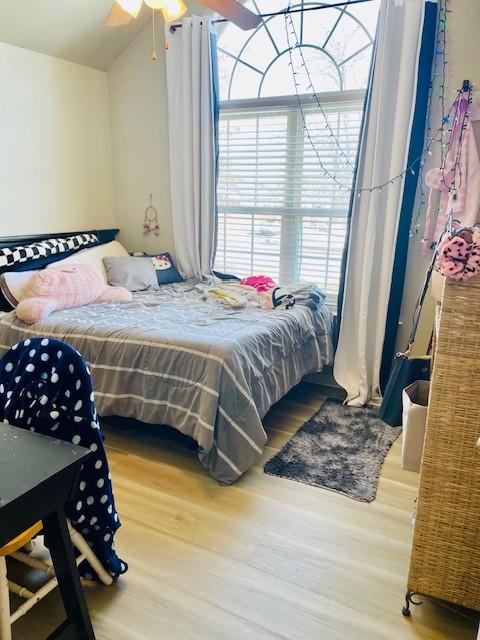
x=167, y=272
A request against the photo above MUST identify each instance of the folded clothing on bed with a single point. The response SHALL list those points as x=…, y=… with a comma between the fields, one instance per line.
x=45, y=386
x=237, y=296
x=231, y=294
x=301, y=293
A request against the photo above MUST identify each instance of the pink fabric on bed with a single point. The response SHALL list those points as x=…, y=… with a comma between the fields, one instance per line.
x=260, y=283
x=65, y=287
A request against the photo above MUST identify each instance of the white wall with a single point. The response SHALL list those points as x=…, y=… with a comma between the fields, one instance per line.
x=463, y=55
x=138, y=120
x=55, y=164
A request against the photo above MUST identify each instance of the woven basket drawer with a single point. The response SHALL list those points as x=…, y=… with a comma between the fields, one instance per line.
x=445, y=560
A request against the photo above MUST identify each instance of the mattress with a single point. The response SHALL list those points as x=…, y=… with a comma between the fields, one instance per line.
x=170, y=357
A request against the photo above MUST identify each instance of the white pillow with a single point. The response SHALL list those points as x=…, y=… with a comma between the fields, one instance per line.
x=95, y=256
x=12, y=283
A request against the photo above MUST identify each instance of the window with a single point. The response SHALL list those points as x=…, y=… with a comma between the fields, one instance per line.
x=279, y=213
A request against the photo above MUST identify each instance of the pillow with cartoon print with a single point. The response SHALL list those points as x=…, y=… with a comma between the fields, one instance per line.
x=167, y=272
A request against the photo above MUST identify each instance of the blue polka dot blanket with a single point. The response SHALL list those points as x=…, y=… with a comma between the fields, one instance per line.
x=45, y=386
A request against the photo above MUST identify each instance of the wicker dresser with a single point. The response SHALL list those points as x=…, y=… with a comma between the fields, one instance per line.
x=445, y=559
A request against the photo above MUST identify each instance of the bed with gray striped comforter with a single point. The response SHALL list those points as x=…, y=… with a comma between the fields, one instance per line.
x=171, y=358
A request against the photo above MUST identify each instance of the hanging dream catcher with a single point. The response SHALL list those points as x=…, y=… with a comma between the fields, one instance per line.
x=150, y=220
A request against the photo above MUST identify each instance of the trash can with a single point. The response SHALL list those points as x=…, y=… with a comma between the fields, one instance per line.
x=414, y=418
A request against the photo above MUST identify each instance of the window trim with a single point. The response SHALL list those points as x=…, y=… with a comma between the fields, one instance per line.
x=349, y=95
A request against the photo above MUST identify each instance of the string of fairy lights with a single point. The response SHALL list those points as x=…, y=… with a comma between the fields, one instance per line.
x=436, y=92
x=310, y=85
x=437, y=86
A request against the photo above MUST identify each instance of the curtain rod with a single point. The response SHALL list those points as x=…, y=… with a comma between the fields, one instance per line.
x=174, y=27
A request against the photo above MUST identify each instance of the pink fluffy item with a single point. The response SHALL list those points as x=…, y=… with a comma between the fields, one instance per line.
x=459, y=254
x=260, y=283
x=65, y=287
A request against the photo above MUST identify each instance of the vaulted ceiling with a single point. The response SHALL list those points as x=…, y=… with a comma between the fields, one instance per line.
x=68, y=29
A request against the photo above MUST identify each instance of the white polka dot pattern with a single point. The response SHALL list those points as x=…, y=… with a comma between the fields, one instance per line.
x=57, y=396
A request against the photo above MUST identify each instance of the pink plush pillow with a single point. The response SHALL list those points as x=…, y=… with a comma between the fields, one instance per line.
x=459, y=254
x=65, y=287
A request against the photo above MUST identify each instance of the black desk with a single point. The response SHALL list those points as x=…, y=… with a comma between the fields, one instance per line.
x=38, y=475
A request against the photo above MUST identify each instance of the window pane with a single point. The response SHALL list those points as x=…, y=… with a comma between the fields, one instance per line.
x=317, y=26
x=345, y=125
x=322, y=248
x=246, y=83
x=355, y=72
x=278, y=213
x=349, y=37
x=259, y=50
x=322, y=73
x=255, y=247
x=252, y=166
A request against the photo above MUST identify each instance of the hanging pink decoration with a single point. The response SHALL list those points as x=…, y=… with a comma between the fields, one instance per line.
x=457, y=182
x=459, y=253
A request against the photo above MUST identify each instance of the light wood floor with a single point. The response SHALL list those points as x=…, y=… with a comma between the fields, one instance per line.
x=264, y=559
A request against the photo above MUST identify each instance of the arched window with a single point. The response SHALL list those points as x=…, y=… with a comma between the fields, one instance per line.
x=278, y=212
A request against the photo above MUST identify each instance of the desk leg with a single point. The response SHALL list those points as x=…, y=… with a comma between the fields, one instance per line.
x=61, y=550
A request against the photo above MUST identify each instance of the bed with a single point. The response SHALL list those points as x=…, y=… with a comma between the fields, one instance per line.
x=170, y=357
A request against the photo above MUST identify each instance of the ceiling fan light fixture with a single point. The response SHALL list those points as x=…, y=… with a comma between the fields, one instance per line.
x=174, y=10
x=131, y=6
x=157, y=4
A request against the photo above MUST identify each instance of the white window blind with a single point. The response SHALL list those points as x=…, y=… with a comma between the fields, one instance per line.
x=278, y=214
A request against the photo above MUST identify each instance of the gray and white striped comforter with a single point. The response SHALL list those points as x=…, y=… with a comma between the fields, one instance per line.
x=171, y=358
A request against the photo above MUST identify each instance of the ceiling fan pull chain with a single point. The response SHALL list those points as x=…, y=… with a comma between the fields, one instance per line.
x=154, y=47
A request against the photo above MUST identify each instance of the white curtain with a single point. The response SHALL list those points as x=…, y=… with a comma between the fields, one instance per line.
x=375, y=216
x=191, y=63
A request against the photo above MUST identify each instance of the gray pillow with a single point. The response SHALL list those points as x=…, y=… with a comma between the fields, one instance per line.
x=135, y=274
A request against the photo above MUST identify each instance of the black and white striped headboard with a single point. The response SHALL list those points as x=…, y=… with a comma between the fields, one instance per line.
x=35, y=252
x=12, y=256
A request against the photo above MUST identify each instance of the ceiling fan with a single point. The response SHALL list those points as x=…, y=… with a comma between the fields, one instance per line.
x=124, y=11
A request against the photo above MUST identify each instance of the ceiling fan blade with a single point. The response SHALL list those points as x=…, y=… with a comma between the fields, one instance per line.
x=235, y=12
x=117, y=17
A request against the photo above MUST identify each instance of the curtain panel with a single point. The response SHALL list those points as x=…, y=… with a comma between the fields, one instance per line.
x=192, y=87
x=376, y=215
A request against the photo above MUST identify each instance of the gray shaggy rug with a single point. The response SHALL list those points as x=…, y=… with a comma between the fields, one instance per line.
x=341, y=448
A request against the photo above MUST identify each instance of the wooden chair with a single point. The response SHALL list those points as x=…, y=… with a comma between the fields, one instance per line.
x=19, y=549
